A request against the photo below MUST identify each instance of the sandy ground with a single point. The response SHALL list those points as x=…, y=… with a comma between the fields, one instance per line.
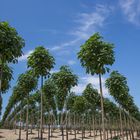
x=6, y=134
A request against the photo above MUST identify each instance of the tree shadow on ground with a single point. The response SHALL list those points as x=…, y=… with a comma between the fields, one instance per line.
x=36, y=138
x=31, y=133
x=85, y=137
x=2, y=137
x=54, y=136
x=74, y=139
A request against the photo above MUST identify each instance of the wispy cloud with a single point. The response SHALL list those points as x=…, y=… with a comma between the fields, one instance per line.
x=24, y=56
x=71, y=62
x=131, y=10
x=83, y=81
x=87, y=24
x=63, y=45
x=91, y=22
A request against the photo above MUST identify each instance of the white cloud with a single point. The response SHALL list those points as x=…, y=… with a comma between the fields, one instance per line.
x=131, y=10
x=24, y=56
x=87, y=24
x=94, y=80
x=63, y=45
x=71, y=62
x=54, y=71
x=91, y=22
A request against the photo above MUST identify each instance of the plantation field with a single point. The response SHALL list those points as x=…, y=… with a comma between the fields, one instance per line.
x=6, y=134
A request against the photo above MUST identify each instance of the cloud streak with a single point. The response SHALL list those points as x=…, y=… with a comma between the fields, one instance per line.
x=87, y=24
x=83, y=81
x=91, y=22
x=131, y=10
x=24, y=56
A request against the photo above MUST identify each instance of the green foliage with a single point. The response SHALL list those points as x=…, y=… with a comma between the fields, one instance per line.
x=6, y=78
x=10, y=43
x=110, y=108
x=49, y=92
x=64, y=81
x=41, y=61
x=95, y=55
x=70, y=100
x=16, y=96
x=27, y=81
x=92, y=96
x=117, y=86
x=80, y=105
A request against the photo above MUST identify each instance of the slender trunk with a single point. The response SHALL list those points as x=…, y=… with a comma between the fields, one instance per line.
x=74, y=126
x=27, y=115
x=82, y=128
x=20, y=125
x=93, y=119
x=15, y=121
x=41, y=117
x=102, y=107
x=61, y=125
x=49, y=125
x=67, y=137
x=131, y=129
x=121, y=122
x=0, y=87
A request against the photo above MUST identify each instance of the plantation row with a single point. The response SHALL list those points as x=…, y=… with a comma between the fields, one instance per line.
x=53, y=106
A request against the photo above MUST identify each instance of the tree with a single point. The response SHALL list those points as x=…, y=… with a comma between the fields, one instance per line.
x=117, y=86
x=4, y=82
x=80, y=107
x=28, y=83
x=11, y=45
x=64, y=80
x=49, y=90
x=41, y=62
x=93, y=98
x=96, y=55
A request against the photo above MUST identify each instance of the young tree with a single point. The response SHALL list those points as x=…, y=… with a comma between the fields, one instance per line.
x=93, y=98
x=27, y=82
x=117, y=86
x=11, y=45
x=96, y=55
x=4, y=82
x=41, y=62
x=64, y=80
x=49, y=91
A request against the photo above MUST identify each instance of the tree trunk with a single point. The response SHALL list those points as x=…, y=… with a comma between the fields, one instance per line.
x=67, y=134
x=74, y=126
x=15, y=121
x=41, y=117
x=49, y=125
x=121, y=122
x=93, y=119
x=0, y=87
x=27, y=115
x=102, y=107
x=20, y=125
x=61, y=125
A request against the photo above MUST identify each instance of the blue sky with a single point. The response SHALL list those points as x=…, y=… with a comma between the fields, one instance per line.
x=62, y=26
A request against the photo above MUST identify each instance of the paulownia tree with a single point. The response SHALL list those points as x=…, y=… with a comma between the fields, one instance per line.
x=64, y=80
x=96, y=55
x=11, y=45
x=28, y=82
x=6, y=78
x=41, y=62
x=118, y=88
